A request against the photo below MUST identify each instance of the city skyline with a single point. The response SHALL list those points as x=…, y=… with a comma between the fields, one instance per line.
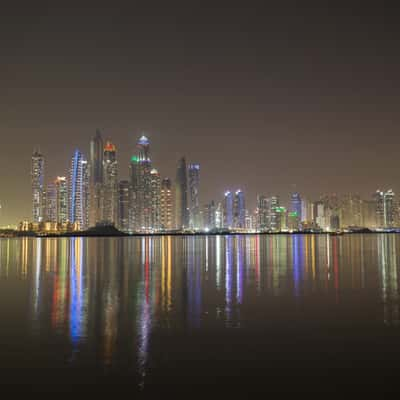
x=149, y=202
x=297, y=95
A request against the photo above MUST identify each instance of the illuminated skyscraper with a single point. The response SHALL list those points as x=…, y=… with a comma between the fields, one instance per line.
x=141, y=185
x=228, y=210
x=194, y=207
x=79, y=191
x=262, y=213
x=295, y=210
x=273, y=216
x=379, y=208
x=239, y=210
x=110, y=184
x=37, y=181
x=123, y=205
x=134, y=193
x=62, y=200
x=209, y=216
x=389, y=209
x=155, y=200
x=51, y=203
x=181, y=204
x=166, y=205
x=96, y=179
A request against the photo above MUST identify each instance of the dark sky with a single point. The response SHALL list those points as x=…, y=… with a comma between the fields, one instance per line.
x=263, y=98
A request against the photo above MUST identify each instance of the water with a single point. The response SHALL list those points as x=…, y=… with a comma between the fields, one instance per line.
x=295, y=312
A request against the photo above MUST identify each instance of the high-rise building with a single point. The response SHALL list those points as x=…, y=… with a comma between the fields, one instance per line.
x=273, y=222
x=37, y=181
x=155, y=200
x=194, y=208
x=369, y=214
x=79, y=191
x=379, y=209
x=209, y=216
x=123, y=206
x=110, y=184
x=62, y=200
x=295, y=210
x=166, y=215
x=389, y=209
x=141, y=185
x=181, y=204
x=96, y=179
x=228, y=210
x=51, y=203
x=262, y=213
x=134, y=167
x=239, y=210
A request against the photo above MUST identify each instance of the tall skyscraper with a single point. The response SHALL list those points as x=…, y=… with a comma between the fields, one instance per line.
x=181, y=204
x=228, y=210
x=389, y=209
x=134, y=193
x=79, y=191
x=296, y=206
x=273, y=217
x=37, y=181
x=155, y=200
x=62, y=200
x=166, y=205
x=239, y=210
x=96, y=179
x=379, y=208
x=209, y=216
x=123, y=206
x=194, y=207
x=141, y=185
x=51, y=203
x=110, y=184
x=262, y=213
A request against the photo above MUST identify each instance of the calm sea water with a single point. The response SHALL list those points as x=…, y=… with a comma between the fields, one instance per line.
x=267, y=312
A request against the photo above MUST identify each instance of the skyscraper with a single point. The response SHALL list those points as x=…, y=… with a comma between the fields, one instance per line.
x=110, y=184
x=37, y=181
x=96, y=178
x=296, y=209
x=389, y=209
x=79, y=191
x=134, y=193
x=262, y=213
x=141, y=185
x=51, y=203
x=123, y=206
x=181, y=206
x=155, y=200
x=239, y=210
x=194, y=208
x=62, y=200
x=273, y=217
x=228, y=210
x=379, y=209
x=209, y=216
x=166, y=205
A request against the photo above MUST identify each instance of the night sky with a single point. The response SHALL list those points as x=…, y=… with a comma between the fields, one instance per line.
x=263, y=98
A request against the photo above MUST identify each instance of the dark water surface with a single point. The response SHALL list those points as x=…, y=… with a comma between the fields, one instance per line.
x=295, y=312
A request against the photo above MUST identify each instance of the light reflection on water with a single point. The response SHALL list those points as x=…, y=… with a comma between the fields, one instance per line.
x=111, y=294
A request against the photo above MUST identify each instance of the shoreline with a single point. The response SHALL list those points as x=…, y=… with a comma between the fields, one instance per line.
x=127, y=235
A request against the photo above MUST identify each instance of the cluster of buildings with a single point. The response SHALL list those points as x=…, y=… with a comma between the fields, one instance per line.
x=92, y=194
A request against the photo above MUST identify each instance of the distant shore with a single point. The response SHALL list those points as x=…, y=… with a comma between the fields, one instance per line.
x=116, y=233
